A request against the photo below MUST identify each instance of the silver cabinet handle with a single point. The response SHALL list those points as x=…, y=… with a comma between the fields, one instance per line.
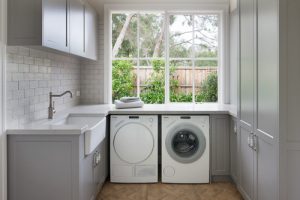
x=249, y=140
x=96, y=158
x=254, y=139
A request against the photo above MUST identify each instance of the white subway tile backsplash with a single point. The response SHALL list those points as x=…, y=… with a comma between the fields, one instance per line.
x=28, y=60
x=92, y=76
x=12, y=67
x=31, y=75
x=34, y=68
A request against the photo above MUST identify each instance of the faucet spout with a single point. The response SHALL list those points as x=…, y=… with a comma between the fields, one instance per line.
x=51, y=108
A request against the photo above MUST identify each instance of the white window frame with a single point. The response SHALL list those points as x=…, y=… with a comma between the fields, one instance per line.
x=222, y=9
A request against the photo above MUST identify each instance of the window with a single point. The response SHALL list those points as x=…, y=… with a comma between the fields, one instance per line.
x=165, y=56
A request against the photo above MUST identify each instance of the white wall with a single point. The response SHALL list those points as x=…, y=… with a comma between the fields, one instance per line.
x=289, y=99
x=3, y=185
x=234, y=55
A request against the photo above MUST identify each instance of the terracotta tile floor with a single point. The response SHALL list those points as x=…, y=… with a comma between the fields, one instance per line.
x=159, y=191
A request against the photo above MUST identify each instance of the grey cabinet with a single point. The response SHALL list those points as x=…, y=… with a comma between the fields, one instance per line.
x=55, y=15
x=220, y=156
x=246, y=154
x=234, y=142
x=267, y=101
x=52, y=167
x=258, y=102
x=91, y=31
x=77, y=29
x=64, y=25
x=247, y=169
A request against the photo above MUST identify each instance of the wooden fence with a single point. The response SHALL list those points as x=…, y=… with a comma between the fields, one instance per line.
x=184, y=75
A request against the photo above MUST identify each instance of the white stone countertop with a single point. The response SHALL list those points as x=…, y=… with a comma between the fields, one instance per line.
x=45, y=126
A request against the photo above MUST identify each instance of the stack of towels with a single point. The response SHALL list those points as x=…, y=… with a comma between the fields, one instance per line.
x=129, y=102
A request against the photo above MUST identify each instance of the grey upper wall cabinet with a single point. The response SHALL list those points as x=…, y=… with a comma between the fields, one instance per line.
x=258, y=101
x=91, y=31
x=55, y=24
x=77, y=29
x=65, y=25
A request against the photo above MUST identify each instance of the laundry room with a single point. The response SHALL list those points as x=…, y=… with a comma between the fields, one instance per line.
x=149, y=100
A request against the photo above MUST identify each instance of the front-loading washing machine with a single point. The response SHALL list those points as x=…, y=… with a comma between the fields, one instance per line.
x=185, y=149
x=133, y=149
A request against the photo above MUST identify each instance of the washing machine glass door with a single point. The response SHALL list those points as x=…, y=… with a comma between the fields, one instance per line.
x=133, y=143
x=185, y=143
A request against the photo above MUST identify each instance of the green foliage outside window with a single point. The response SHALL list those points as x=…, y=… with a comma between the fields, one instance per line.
x=209, y=89
x=123, y=79
x=123, y=82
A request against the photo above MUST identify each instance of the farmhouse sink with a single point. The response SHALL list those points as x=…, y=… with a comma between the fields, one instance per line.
x=95, y=129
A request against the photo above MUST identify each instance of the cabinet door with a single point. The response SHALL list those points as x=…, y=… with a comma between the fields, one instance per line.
x=55, y=24
x=267, y=99
x=247, y=65
x=91, y=32
x=234, y=150
x=77, y=10
x=100, y=171
x=247, y=165
x=220, y=145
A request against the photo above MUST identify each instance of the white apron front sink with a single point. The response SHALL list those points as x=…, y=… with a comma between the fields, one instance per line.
x=95, y=129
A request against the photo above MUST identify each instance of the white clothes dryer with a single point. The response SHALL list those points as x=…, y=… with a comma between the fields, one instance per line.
x=133, y=149
x=185, y=149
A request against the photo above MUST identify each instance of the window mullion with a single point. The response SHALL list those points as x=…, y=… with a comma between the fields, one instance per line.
x=138, y=56
x=193, y=59
x=167, y=62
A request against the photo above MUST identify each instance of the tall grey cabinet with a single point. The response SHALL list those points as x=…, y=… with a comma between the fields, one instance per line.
x=258, y=102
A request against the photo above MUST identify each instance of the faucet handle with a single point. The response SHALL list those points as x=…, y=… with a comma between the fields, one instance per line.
x=53, y=109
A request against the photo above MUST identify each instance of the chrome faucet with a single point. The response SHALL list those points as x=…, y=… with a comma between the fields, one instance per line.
x=51, y=108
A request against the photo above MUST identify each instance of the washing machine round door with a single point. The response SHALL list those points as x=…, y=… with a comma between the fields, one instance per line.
x=185, y=143
x=133, y=143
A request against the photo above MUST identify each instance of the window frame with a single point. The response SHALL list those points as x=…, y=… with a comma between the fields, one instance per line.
x=221, y=9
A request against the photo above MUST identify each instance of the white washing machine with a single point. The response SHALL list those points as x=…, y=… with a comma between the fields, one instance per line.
x=133, y=149
x=185, y=149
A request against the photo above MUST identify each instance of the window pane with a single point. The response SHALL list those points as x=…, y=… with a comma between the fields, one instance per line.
x=124, y=35
x=206, y=36
x=152, y=81
x=181, y=36
x=151, y=35
x=206, y=84
x=207, y=62
x=123, y=79
x=181, y=81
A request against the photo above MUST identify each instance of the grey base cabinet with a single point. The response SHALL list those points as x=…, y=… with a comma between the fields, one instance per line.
x=220, y=155
x=54, y=167
x=234, y=141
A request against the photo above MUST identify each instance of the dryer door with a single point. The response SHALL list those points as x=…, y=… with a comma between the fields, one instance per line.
x=185, y=143
x=133, y=143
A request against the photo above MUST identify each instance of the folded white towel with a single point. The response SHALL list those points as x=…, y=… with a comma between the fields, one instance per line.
x=130, y=99
x=137, y=104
